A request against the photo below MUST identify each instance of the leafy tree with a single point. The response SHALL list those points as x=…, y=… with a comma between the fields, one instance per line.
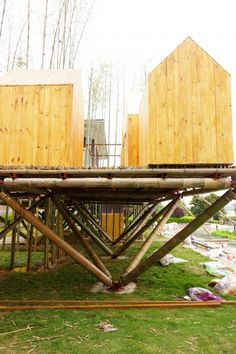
x=199, y=204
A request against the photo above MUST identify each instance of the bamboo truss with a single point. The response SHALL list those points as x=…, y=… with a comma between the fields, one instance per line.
x=72, y=201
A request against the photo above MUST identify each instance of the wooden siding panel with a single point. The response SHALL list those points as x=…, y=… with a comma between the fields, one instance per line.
x=187, y=117
x=37, y=126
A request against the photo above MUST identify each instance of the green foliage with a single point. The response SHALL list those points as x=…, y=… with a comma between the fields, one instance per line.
x=183, y=220
x=199, y=205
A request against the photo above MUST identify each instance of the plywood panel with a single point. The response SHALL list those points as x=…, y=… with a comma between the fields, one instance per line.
x=113, y=224
x=185, y=111
x=42, y=125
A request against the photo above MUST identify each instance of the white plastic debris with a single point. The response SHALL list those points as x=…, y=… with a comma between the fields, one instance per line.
x=169, y=259
x=227, y=285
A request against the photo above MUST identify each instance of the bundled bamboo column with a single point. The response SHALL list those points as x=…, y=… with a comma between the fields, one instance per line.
x=84, y=242
x=177, y=239
x=85, y=213
x=138, y=222
x=91, y=234
x=51, y=235
x=148, y=242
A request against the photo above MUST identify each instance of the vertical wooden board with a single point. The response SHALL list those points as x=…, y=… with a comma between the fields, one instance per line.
x=195, y=89
x=209, y=114
x=124, y=151
x=26, y=126
x=185, y=105
x=174, y=152
x=178, y=148
x=133, y=140
x=223, y=116
x=77, y=125
x=160, y=127
x=5, y=119
x=143, y=127
x=17, y=120
x=43, y=134
x=33, y=112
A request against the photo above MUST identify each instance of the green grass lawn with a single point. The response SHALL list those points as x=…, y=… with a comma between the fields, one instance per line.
x=224, y=234
x=139, y=331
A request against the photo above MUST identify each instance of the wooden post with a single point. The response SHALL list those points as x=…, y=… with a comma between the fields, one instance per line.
x=177, y=239
x=82, y=239
x=30, y=244
x=140, y=231
x=6, y=224
x=51, y=235
x=46, y=240
x=13, y=245
x=151, y=238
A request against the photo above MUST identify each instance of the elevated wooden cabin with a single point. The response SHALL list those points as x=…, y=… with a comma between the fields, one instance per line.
x=41, y=118
x=185, y=113
x=130, y=142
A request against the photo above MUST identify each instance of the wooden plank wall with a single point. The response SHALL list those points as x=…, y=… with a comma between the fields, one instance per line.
x=185, y=114
x=113, y=224
x=41, y=125
x=130, y=142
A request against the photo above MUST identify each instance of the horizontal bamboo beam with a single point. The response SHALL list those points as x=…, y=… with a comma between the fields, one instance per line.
x=177, y=239
x=52, y=236
x=124, y=172
x=114, y=183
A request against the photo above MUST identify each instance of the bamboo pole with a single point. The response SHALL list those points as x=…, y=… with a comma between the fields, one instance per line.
x=13, y=245
x=90, y=218
x=46, y=240
x=140, y=231
x=18, y=220
x=221, y=212
x=189, y=211
x=124, y=183
x=82, y=239
x=177, y=239
x=137, y=222
x=5, y=224
x=30, y=244
x=90, y=233
x=51, y=235
x=122, y=172
x=151, y=238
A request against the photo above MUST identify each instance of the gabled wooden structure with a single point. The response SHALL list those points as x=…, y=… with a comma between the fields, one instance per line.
x=41, y=118
x=185, y=113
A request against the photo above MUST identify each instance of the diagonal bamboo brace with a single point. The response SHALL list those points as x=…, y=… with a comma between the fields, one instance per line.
x=140, y=230
x=177, y=239
x=150, y=239
x=51, y=235
x=63, y=211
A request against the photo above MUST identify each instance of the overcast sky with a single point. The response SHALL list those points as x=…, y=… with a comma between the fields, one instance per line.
x=141, y=33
